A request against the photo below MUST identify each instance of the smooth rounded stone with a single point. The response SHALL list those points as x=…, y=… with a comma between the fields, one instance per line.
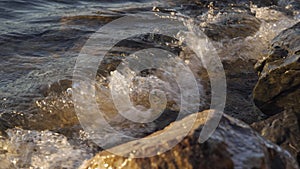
x=278, y=87
x=232, y=145
x=282, y=129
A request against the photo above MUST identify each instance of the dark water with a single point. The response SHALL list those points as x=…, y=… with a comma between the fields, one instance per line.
x=39, y=43
x=38, y=37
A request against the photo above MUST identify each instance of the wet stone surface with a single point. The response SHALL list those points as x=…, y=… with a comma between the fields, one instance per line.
x=38, y=56
x=282, y=129
x=233, y=145
x=278, y=87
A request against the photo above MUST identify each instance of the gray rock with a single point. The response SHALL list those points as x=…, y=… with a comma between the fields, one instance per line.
x=233, y=145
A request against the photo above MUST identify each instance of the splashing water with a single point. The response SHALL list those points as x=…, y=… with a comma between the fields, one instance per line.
x=43, y=149
x=48, y=149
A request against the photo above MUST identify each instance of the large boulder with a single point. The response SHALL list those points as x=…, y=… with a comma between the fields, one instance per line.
x=278, y=87
x=233, y=145
x=277, y=92
x=282, y=129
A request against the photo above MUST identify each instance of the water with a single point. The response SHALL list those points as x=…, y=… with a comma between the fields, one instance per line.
x=39, y=43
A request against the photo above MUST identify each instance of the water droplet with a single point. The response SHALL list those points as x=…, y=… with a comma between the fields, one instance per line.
x=69, y=90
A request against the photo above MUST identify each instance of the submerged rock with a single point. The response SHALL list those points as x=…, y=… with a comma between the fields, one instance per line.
x=278, y=87
x=233, y=145
x=282, y=129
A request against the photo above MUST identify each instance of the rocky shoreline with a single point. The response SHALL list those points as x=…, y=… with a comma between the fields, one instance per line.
x=234, y=144
x=260, y=127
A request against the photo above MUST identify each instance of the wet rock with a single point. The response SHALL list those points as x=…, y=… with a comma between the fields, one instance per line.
x=219, y=19
x=230, y=22
x=241, y=79
x=232, y=145
x=278, y=87
x=3, y=126
x=57, y=109
x=282, y=129
x=53, y=110
x=222, y=3
x=56, y=87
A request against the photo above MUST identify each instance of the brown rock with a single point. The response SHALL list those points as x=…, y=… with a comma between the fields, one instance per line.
x=278, y=87
x=278, y=91
x=282, y=129
x=233, y=145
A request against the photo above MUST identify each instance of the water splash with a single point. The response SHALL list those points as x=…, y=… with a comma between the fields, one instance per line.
x=39, y=149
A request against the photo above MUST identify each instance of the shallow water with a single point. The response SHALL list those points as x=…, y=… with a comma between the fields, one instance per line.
x=39, y=43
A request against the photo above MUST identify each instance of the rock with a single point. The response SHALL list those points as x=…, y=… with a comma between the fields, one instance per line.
x=219, y=20
x=230, y=22
x=278, y=91
x=282, y=129
x=222, y=3
x=233, y=145
x=239, y=102
x=278, y=87
x=3, y=126
x=56, y=106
